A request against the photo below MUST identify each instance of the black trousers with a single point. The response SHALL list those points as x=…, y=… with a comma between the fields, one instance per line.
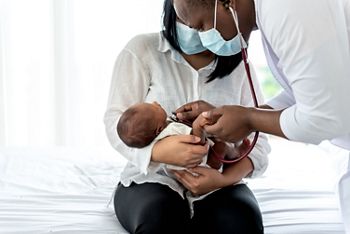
x=153, y=208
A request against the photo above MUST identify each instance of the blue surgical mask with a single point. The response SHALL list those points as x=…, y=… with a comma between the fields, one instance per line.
x=214, y=42
x=188, y=39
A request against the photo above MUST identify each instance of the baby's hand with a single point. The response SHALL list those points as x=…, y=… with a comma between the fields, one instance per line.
x=198, y=128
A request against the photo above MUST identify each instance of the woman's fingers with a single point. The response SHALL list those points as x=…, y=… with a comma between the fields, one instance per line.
x=200, y=150
x=195, y=149
x=186, y=177
x=182, y=180
x=193, y=165
x=200, y=171
x=212, y=116
x=190, y=139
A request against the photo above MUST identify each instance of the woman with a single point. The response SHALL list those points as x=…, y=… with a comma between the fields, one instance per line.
x=155, y=67
x=310, y=57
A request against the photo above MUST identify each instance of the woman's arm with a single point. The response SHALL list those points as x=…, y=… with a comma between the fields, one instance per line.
x=129, y=76
x=180, y=150
x=130, y=85
x=201, y=180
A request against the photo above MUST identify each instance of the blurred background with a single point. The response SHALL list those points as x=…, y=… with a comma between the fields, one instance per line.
x=56, y=60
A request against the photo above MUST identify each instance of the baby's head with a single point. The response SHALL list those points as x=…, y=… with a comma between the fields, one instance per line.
x=141, y=123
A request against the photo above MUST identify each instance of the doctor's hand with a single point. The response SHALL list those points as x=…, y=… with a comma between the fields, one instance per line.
x=190, y=111
x=180, y=150
x=200, y=180
x=228, y=123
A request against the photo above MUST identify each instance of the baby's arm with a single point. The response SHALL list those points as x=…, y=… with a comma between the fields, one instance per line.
x=198, y=130
x=219, y=148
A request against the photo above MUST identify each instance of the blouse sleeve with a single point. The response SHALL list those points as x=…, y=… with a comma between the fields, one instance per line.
x=130, y=84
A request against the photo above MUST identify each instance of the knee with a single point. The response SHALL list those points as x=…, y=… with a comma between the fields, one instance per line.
x=239, y=219
x=160, y=216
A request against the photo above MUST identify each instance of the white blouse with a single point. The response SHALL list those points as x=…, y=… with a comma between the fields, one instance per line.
x=148, y=69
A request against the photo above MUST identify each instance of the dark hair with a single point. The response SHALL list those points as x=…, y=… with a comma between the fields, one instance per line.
x=225, y=64
x=135, y=129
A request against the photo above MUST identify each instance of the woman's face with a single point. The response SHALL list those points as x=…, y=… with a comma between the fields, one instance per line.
x=202, y=18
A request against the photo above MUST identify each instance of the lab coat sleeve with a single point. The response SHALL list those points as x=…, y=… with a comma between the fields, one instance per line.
x=259, y=154
x=314, y=56
x=130, y=84
x=281, y=101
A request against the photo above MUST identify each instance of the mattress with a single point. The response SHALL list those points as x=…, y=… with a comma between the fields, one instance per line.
x=67, y=190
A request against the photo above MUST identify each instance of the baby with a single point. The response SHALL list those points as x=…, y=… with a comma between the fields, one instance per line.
x=143, y=123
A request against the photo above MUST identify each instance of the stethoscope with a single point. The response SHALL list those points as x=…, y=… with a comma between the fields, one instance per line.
x=252, y=91
x=253, y=94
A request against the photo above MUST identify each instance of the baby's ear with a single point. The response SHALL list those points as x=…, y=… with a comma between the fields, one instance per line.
x=159, y=130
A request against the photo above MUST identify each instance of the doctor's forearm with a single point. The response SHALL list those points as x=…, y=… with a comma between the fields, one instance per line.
x=265, y=120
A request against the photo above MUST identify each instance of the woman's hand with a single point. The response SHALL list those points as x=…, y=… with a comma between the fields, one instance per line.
x=181, y=150
x=201, y=180
x=190, y=111
x=228, y=123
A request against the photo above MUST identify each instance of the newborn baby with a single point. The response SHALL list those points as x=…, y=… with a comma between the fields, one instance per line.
x=143, y=123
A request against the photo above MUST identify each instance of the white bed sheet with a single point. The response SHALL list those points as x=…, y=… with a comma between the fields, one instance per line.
x=61, y=190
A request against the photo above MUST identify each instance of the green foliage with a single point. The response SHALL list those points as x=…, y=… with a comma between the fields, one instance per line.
x=269, y=85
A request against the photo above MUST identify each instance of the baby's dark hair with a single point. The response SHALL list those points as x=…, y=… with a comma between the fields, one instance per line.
x=135, y=128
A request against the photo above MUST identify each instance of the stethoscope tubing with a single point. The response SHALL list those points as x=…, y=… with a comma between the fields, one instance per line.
x=252, y=91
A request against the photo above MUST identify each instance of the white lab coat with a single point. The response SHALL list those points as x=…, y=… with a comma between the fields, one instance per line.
x=307, y=46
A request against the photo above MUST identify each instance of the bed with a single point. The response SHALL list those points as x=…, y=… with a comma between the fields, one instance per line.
x=67, y=190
